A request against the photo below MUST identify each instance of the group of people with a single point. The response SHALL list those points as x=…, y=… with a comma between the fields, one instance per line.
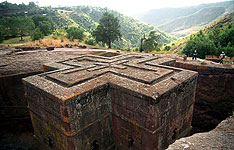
x=222, y=56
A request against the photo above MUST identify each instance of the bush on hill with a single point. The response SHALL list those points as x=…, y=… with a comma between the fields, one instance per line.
x=212, y=43
x=75, y=33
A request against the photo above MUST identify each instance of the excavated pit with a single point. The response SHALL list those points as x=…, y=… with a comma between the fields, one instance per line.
x=214, y=94
x=210, y=107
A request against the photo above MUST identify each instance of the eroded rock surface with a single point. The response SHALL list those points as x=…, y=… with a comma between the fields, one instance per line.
x=32, y=61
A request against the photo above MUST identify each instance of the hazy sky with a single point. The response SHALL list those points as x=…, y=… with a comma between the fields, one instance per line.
x=127, y=7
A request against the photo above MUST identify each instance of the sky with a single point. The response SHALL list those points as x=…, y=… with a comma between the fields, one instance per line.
x=126, y=7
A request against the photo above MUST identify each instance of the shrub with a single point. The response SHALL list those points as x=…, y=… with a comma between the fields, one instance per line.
x=90, y=42
x=167, y=48
x=2, y=34
x=75, y=33
x=46, y=27
x=66, y=42
x=203, y=44
x=76, y=42
x=37, y=34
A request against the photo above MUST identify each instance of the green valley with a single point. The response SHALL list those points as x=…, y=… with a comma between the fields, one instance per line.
x=181, y=22
x=87, y=18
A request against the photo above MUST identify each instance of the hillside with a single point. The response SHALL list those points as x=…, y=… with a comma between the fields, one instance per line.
x=184, y=26
x=216, y=37
x=184, y=21
x=132, y=29
x=228, y=19
x=88, y=17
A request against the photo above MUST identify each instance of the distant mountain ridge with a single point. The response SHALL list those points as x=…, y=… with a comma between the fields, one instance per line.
x=181, y=22
x=215, y=27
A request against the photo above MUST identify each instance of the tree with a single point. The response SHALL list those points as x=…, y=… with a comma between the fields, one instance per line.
x=203, y=44
x=24, y=26
x=75, y=33
x=151, y=43
x=46, y=27
x=37, y=34
x=108, y=29
x=90, y=42
x=39, y=18
x=44, y=23
x=2, y=34
x=9, y=26
x=32, y=4
x=17, y=26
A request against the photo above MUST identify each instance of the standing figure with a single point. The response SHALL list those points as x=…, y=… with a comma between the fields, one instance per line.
x=195, y=54
x=222, y=56
x=142, y=39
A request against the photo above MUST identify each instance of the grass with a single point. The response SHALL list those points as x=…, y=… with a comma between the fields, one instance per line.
x=50, y=41
x=16, y=41
x=46, y=41
x=162, y=52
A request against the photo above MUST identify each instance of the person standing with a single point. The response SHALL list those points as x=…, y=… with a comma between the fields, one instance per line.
x=195, y=54
x=222, y=56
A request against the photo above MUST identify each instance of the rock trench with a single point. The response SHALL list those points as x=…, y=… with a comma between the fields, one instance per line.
x=214, y=95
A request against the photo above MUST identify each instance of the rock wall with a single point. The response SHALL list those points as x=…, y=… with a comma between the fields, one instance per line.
x=221, y=138
x=214, y=94
x=13, y=104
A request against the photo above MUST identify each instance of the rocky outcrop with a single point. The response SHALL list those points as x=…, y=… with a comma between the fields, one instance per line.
x=221, y=137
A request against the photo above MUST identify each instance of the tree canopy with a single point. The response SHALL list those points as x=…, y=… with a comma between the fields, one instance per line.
x=151, y=43
x=44, y=23
x=212, y=43
x=21, y=26
x=37, y=34
x=2, y=33
x=16, y=26
x=39, y=18
x=24, y=26
x=46, y=27
x=108, y=29
x=75, y=33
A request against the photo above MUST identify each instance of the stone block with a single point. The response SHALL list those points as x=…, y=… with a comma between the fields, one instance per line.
x=128, y=101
